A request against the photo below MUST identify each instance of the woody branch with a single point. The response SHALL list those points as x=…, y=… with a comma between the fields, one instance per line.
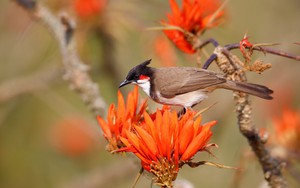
x=76, y=72
x=232, y=67
x=21, y=85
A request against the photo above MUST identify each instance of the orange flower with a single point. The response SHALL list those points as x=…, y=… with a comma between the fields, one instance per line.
x=121, y=119
x=89, y=8
x=165, y=143
x=287, y=130
x=164, y=51
x=73, y=136
x=194, y=18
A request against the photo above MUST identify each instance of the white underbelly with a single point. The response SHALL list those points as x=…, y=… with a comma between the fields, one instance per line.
x=186, y=100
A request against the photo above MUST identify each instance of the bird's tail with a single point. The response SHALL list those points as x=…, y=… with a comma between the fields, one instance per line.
x=249, y=88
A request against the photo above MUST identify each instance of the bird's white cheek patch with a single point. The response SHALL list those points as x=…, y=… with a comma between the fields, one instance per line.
x=145, y=85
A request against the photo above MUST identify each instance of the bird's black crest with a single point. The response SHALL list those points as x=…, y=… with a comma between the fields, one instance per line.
x=145, y=63
x=136, y=71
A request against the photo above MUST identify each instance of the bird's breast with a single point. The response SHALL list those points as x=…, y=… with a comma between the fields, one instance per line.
x=187, y=99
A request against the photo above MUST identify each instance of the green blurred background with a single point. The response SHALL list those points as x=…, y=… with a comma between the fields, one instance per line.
x=48, y=137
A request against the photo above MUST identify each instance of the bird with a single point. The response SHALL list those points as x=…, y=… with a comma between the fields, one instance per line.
x=186, y=86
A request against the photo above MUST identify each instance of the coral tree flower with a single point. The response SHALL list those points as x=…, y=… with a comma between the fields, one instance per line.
x=287, y=130
x=120, y=120
x=194, y=17
x=72, y=136
x=164, y=51
x=164, y=143
x=89, y=8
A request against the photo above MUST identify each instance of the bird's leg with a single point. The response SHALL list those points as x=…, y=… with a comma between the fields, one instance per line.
x=209, y=61
x=181, y=112
x=200, y=44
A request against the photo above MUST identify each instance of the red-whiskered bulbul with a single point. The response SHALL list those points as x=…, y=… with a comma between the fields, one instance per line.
x=186, y=86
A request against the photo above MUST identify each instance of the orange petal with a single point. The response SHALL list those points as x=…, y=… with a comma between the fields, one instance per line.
x=176, y=128
x=126, y=126
x=175, y=8
x=111, y=114
x=121, y=106
x=148, y=140
x=130, y=108
x=152, y=128
x=186, y=136
x=135, y=95
x=210, y=124
x=150, y=125
x=104, y=126
x=133, y=140
x=142, y=109
x=138, y=145
x=198, y=142
x=125, y=141
x=197, y=125
x=165, y=134
x=143, y=158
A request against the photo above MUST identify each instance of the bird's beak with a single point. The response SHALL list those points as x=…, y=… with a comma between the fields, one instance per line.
x=125, y=82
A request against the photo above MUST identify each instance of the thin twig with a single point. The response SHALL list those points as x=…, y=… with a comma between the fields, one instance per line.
x=76, y=72
x=237, y=46
x=137, y=177
x=196, y=164
x=266, y=50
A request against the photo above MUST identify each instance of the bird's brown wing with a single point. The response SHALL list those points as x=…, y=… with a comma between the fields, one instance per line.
x=184, y=79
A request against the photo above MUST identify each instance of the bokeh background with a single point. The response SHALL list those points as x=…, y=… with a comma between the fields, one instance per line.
x=48, y=137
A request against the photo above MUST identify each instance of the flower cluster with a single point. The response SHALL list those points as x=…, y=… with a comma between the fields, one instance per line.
x=162, y=141
x=89, y=8
x=121, y=119
x=194, y=17
x=287, y=130
x=72, y=136
x=164, y=51
x=165, y=143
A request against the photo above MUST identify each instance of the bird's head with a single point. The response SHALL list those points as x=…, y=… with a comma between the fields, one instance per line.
x=139, y=74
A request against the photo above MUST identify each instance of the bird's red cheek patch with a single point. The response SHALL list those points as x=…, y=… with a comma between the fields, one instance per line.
x=144, y=77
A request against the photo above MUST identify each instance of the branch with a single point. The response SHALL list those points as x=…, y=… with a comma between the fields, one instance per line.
x=232, y=67
x=76, y=72
x=26, y=84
